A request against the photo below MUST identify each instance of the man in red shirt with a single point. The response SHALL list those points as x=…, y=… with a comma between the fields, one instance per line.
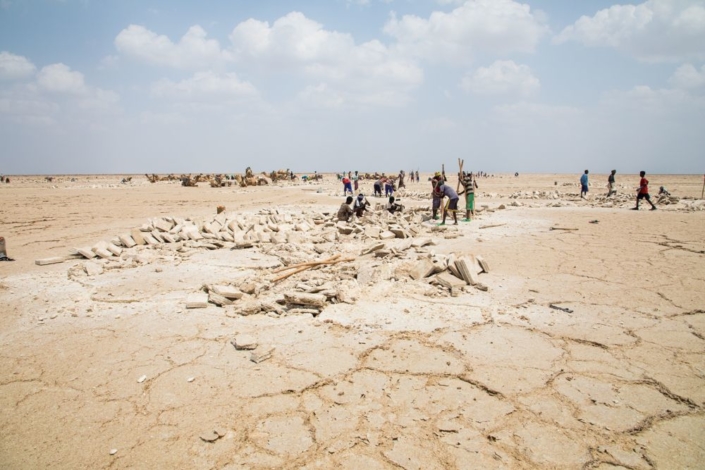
x=643, y=192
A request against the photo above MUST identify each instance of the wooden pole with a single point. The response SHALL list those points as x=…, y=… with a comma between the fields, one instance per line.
x=310, y=263
x=702, y=193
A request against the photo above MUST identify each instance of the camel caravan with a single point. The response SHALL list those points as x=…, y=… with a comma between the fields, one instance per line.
x=221, y=180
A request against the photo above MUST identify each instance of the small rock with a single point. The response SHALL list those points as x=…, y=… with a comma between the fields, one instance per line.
x=244, y=342
x=113, y=451
x=261, y=356
x=141, y=379
x=197, y=301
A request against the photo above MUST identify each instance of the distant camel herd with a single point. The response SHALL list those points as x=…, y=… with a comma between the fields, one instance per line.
x=221, y=180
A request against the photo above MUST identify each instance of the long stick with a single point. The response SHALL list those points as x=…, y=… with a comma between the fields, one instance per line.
x=460, y=174
x=309, y=263
x=304, y=268
x=702, y=193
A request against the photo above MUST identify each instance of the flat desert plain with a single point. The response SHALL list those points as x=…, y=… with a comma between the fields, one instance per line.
x=582, y=346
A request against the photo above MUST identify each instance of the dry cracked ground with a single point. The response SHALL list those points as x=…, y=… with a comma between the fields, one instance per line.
x=112, y=371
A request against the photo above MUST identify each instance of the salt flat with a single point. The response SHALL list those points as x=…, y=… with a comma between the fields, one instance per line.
x=403, y=375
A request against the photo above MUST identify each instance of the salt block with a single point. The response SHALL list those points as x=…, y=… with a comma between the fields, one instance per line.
x=449, y=281
x=86, y=252
x=127, y=240
x=157, y=236
x=150, y=239
x=423, y=268
x=299, y=298
x=136, y=235
x=114, y=249
x=218, y=300
x=387, y=235
x=103, y=253
x=101, y=245
x=162, y=225
x=244, y=343
x=53, y=260
x=199, y=300
x=483, y=264
x=229, y=292
x=467, y=270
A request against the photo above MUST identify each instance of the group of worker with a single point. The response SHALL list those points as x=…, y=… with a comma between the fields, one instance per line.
x=440, y=191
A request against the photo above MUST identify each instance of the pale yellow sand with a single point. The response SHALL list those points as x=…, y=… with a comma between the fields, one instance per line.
x=398, y=380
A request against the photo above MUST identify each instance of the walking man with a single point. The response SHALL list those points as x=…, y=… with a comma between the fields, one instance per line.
x=610, y=184
x=643, y=192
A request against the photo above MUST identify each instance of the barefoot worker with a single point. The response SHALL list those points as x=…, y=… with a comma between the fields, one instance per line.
x=393, y=207
x=345, y=212
x=643, y=192
x=447, y=191
x=361, y=205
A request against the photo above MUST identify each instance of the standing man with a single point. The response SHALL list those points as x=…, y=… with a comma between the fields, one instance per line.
x=643, y=192
x=355, y=178
x=378, y=187
x=436, y=196
x=584, y=185
x=401, y=179
x=469, y=185
x=610, y=184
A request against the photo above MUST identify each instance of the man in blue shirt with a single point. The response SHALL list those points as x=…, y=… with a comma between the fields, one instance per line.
x=447, y=191
x=584, y=185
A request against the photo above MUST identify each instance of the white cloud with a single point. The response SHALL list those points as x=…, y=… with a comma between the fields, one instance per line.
x=503, y=76
x=109, y=62
x=688, y=77
x=193, y=51
x=321, y=96
x=644, y=100
x=60, y=78
x=525, y=113
x=653, y=31
x=368, y=73
x=477, y=26
x=13, y=66
x=205, y=85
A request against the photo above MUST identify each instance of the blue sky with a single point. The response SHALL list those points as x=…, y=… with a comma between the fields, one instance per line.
x=130, y=86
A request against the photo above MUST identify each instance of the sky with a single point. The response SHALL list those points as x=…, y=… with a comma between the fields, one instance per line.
x=135, y=86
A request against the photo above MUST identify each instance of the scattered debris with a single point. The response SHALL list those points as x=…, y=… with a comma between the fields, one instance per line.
x=212, y=435
x=563, y=309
